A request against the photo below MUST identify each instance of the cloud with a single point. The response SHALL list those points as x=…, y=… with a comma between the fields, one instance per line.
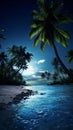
x=41, y=61
x=36, y=76
x=42, y=71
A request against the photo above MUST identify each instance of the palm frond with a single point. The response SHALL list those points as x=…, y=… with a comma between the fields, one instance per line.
x=36, y=41
x=70, y=56
x=49, y=41
x=35, y=31
x=36, y=15
x=43, y=38
x=60, y=38
x=65, y=34
x=49, y=35
x=62, y=41
x=44, y=24
x=42, y=46
x=65, y=18
x=36, y=23
x=43, y=7
x=70, y=59
x=33, y=25
x=56, y=6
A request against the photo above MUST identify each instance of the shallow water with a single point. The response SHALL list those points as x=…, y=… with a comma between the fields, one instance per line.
x=50, y=109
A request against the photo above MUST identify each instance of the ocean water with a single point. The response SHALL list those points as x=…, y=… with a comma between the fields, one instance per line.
x=50, y=109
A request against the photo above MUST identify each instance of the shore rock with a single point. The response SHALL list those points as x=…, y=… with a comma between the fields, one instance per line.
x=22, y=95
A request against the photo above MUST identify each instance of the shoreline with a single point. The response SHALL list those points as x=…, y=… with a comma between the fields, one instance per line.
x=13, y=95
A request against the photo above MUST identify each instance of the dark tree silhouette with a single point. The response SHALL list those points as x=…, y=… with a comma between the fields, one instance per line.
x=46, y=27
x=58, y=70
x=3, y=58
x=55, y=63
x=46, y=75
x=16, y=57
x=70, y=56
x=19, y=57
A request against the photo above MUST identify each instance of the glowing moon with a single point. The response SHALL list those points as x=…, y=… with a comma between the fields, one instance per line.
x=30, y=71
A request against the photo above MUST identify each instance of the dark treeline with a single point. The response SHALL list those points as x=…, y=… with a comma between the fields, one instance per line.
x=11, y=63
x=59, y=76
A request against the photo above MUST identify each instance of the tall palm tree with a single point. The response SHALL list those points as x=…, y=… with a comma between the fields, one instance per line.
x=70, y=56
x=19, y=57
x=3, y=58
x=58, y=69
x=45, y=27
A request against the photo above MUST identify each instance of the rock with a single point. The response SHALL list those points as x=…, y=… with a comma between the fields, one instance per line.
x=9, y=103
x=22, y=95
x=42, y=93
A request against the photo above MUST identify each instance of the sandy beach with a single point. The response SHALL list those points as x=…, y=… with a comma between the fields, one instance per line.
x=8, y=93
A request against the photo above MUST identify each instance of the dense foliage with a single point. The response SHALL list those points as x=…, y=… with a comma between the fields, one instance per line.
x=58, y=76
x=46, y=27
x=11, y=62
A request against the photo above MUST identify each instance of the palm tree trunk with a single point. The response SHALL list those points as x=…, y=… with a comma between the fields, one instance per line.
x=62, y=64
x=17, y=71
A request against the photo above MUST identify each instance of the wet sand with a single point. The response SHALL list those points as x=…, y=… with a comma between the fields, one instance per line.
x=7, y=93
x=13, y=94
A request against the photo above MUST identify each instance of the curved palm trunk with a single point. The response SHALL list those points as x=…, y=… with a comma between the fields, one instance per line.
x=17, y=71
x=62, y=64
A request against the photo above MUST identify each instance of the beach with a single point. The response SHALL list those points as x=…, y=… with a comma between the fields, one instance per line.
x=12, y=94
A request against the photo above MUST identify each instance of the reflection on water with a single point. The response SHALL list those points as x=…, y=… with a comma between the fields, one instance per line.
x=51, y=108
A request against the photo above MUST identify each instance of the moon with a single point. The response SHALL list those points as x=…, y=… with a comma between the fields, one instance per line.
x=30, y=71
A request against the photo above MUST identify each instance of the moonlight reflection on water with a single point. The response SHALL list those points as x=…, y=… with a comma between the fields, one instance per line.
x=50, y=108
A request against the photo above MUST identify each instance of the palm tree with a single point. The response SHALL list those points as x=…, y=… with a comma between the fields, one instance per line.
x=55, y=77
x=45, y=27
x=43, y=75
x=55, y=64
x=58, y=69
x=19, y=57
x=3, y=58
x=46, y=75
x=70, y=56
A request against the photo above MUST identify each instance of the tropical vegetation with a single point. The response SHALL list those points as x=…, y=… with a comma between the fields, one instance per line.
x=46, y=27
x=70, y=56
x=15, y=59
x=58, y=76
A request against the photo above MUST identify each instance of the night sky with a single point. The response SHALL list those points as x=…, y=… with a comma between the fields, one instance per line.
x=15, y=18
